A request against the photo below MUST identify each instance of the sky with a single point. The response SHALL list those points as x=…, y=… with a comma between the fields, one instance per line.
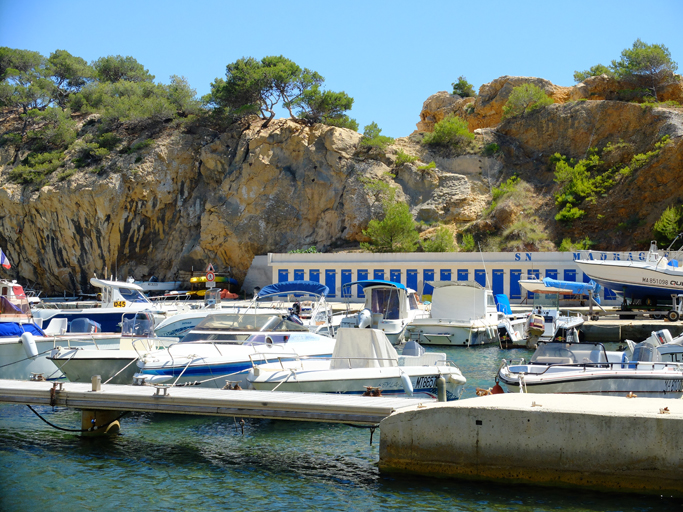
x=390, y=56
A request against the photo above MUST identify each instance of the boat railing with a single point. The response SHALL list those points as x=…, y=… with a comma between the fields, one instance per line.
x=289, y=358
x=625, y=365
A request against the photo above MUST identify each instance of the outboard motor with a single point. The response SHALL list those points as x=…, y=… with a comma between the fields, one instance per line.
x=364, y=318
x=294, y=313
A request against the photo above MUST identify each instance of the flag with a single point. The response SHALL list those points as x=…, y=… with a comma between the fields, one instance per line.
x=4, y=261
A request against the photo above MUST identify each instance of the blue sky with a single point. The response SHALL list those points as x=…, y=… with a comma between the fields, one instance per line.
x=388, y=55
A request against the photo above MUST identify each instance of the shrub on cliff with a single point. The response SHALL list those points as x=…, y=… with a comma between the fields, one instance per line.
x=463, y=88
x=372, y=136
x=395, y=232
x=451, y=131
x=525, y=98
x=597, y=70
x=442, y=241
x=115, y=68
x=668, y=226
x=328, y=107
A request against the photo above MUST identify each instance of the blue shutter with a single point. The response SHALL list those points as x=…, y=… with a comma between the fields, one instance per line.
x=314, y=275
x=282, y=275
x=331, y=282
x=480, y=277
x=515, y=291
x=463, y=275
x=570, y=274
x=445, y=275
x=427, y=275
x=378, y=274
x=346, y=278
x=298, y=274
x=498, y=282
x=411, y=279
x=362, y=276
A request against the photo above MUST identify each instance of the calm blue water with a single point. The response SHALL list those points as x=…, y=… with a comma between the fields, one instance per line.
x=164, y=462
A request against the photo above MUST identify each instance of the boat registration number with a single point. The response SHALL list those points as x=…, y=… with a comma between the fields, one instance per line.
x=673, y=386
x=119, y=303
x=426, y=382
x=666, y=282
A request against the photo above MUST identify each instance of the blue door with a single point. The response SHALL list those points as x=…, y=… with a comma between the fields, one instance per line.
x=346, y=278
x=427, y=275
x=515, y=291
x=411, y=279
x=331, y=282
x=551, y=273
x=282, y=275
x=314, y=275
x=395, y=276
x=298, y=274
x=362, y=276
x=570, y=274
x=480, y=277
x=378, y=274
x=445, y=275
x=463, y=275
x=498, y=282
x=533, y=274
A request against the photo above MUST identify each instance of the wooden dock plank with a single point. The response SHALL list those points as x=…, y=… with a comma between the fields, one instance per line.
x=203, y=401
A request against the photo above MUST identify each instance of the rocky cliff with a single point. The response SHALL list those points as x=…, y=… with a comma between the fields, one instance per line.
x=202, y=195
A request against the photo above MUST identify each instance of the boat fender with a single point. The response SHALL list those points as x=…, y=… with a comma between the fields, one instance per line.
x=407, y=385
x=497, y=389
x=29, y=343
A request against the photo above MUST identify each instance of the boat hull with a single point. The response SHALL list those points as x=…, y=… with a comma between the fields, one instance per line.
x=635, y=280
x=80, y=366
x=621, y=382
x=428, y=332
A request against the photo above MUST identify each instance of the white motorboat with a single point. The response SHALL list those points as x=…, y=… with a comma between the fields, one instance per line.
x=570, y=367
x=154, y=285
x=389, y=307
x=655, y=279
x=463, y=313
x=363, y=362
x=304, y=300
x=117, y=298
x=24, y=345
x=513, y=328
x=547, y=322
x=113, y=363
x=223, y=347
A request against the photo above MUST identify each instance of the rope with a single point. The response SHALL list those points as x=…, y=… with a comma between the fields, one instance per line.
x=91, y=429
x=26, y=358
x=116, y=374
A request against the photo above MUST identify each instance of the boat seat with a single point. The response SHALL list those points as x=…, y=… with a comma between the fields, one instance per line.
x=56, y=326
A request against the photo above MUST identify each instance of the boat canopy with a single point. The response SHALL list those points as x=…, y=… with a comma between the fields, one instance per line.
x=247, y=322
x=375, y=282
x=16, y=329
x=362, y=348
x=101, y=283
x=310, y=287
x=503, y=303
x=574, y=287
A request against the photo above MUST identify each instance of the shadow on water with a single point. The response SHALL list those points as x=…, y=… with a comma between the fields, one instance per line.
x=164, y=462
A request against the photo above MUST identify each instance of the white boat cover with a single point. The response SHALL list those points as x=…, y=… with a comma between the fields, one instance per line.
x=362, y=348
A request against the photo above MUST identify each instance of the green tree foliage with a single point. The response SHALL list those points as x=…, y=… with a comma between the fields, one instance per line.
x=54, y=128
x=525, y=98
x=26, y=80
x=69, y=74
x=646, y=65
x=467, y=244
x=182, y=96
x=451, y=131
x=463, y=88
x=114, y=68
x=372, y=136
x=36, y=167
x=582, y=245
x=668, y=226
x=597, y=70
x=395, y=232
x=441, y=242
x=404, y=158
x=328, y=107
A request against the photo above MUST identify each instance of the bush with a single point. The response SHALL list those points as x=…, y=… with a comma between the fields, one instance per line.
x=451, y=131
x=668, y=225
x=405, y=158
x=569, y=213
x=431, y=165
x=582, y=245
x=463, y=88
x=108, y=140
x=89, y=153
x=467, y=243
x=441, y=242
x=524, y=233
x=395, y=232
x=491, y=149
x=311, y=250
x=372, y=137
x=525, y=98
x=37, y=167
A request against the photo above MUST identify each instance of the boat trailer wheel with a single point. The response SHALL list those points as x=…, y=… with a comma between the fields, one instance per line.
x=672, y=316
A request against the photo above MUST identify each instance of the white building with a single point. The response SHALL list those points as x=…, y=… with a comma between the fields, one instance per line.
x=501, y=271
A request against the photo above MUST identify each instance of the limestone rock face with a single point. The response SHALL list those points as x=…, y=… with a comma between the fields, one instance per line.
x=438, y=106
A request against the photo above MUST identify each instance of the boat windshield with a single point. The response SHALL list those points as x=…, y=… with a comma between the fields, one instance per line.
x=412, y=301
x=385, y=301
x=248, y=322
x=13, y=306
x=132, y=295
x=569, y=353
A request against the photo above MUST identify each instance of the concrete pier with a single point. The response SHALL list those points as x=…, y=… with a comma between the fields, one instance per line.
x=594, y=442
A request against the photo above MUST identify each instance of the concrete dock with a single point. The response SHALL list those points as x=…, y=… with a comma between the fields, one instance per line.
x=204, y=401
x=587, y=441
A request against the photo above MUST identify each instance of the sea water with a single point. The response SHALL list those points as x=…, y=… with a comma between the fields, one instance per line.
x=197, y=463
